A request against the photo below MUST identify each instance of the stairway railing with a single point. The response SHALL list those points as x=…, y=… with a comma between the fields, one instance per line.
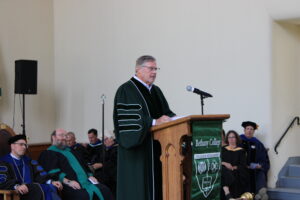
x=290, y=126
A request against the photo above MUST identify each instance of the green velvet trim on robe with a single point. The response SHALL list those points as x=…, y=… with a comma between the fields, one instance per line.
x=53, y=171
x=81, y=174
x=132, y=121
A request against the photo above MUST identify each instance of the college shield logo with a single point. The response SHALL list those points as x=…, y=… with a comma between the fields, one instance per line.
x=206, y=171
x=206, y=160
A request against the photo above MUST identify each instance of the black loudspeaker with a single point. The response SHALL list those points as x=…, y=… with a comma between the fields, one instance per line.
x=25, y=77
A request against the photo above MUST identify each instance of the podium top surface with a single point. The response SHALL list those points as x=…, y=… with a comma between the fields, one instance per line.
x=190, y=118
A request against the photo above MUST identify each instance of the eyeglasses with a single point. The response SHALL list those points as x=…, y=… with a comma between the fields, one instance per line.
x=22, y=144
x=231, y=137
x=152, y=68
x=61, y=135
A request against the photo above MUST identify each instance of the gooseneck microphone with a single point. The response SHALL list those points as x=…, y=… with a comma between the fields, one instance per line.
x=197, y=91
x=202, y=94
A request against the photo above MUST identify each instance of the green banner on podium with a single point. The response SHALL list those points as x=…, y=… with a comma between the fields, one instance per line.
x=206, y=145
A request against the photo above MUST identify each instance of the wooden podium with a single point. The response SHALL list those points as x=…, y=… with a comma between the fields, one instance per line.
x=170, y=135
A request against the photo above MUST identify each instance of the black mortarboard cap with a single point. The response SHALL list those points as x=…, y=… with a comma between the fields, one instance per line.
x=249, y=123
x=16, y=138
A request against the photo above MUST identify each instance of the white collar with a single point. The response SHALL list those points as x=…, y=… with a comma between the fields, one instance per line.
x=12, y=155
x=142, y=82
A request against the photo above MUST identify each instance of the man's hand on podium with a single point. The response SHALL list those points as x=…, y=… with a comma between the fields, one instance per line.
x=163, y=119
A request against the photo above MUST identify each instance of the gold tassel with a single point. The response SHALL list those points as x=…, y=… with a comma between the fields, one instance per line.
x=247, y=196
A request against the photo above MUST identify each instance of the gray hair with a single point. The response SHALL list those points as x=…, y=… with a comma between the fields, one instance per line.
x=71, y=133
x=146, y=58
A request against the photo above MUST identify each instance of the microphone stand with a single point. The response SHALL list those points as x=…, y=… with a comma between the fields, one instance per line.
x=202, y=97
x=23, y=116
x=103, y=146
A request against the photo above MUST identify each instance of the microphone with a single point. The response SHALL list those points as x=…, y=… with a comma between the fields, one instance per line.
x=197, y=91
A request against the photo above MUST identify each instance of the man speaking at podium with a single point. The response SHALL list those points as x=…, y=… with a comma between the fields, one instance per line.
x=139, y=104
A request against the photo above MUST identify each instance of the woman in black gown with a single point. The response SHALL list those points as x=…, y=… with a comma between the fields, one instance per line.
x=234, y=174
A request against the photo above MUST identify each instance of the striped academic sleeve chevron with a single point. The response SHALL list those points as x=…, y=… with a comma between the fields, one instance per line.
x=128, y=117
x=3, y=176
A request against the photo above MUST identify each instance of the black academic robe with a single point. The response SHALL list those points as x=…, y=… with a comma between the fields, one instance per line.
x=134, y=110
x=7, y=176
x=108, y=173
x=256, y=153
x=67, y=164
x=95, y=152
x=33, y=176
x=81, y=152
x=237, y=179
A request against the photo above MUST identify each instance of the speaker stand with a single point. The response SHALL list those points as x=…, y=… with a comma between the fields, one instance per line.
x=23, y=116
x=103, y=146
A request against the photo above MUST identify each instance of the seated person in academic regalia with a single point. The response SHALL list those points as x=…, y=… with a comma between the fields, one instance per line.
x=78, y=182
x=105, y=171
x=108, y=176
x=81, y=150
x=95, y=149
x=19, y=172
x=257, y=158
x=234, y=176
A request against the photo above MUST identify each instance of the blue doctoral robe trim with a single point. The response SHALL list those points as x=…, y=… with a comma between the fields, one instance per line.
x=27, y=177
x=3, y=169
x=48, y=189
x=40, y=168
x=253, y=139
x=98, y=143
x=261, y=153
x=3, y=178
x=34, y=162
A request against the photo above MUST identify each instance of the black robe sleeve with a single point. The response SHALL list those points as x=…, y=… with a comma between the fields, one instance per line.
x=242, y=161
x=84, y=153
x=59, y=167
x=49, y=161
x=39, y=174
x=7, y=176
x=131, y=117
x=166, y=109
x=110, y=165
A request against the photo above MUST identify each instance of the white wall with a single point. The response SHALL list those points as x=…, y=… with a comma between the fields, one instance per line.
x=89, y=48
x=285, y=93
x=223, y=47
x=220, y=47
x=282, y=10
x=26, y=32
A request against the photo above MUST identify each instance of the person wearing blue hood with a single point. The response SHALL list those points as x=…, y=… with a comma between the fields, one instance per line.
x=26, y=176
x=257, y=158
x=94, y=149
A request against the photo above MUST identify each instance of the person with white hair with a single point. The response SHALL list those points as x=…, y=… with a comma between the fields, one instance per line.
x=78, y=181
x=109, y=174
x=139, y=105
x=77, y=147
